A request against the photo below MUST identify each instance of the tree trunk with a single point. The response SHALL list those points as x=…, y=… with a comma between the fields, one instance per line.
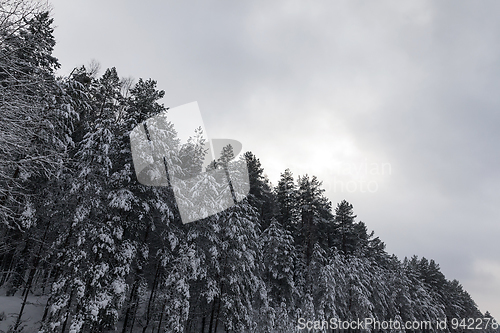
x=68, y=310
x=129, y=307
x=29, y=283
x=19, y=270
x=217, y=317
x=161, y=316
x=151, y=298
x=212, y=316
x=58, y=271
x=203, y=324
x=133, y=294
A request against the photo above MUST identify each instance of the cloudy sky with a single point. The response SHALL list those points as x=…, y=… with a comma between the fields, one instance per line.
x=393, y=105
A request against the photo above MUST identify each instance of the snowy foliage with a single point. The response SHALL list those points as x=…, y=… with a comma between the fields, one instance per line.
x=112, y=254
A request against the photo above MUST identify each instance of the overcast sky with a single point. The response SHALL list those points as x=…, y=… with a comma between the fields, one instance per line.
x=393, y=105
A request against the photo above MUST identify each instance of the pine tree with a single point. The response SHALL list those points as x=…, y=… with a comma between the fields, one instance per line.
x=236, y=274
x=239, y=279
x=34, y=112
x=358, y=282
x=494, y=326
x=99, y=256
x=286, y=199
x=328, y=285
x=143, y=99
x=426, y=304
x=107, y=239
x=153, y=222
x=260, y=195
x=352, y=236
x=314, y=214
x=35, y=139
x=400, y=304
x=278, y=255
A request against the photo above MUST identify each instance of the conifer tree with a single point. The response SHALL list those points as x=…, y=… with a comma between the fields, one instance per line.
x=35, y=112
x=314, y=214
x=278, y=255
x=286, y=199
x=352, y=236
x=237, y=274
x=260, y=195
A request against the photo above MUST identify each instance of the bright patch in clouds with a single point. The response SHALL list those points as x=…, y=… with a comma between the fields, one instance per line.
x=485, y=281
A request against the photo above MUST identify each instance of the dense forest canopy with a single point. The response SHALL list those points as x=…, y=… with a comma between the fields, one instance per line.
x=107, y=253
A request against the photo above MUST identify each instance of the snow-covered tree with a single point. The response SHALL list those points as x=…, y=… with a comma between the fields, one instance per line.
x=315, y=214
x=278, y=257
x=35, y=111
x=260, y=195
x=286, y=198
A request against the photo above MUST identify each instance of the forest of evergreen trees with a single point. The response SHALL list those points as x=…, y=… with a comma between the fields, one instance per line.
x=112, y=255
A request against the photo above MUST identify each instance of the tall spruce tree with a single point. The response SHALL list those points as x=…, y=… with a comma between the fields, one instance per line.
x=35, y=114
x=260, y=195
x=286, y=199
x=352, y=236
x=278, y=255
x=315, y=214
